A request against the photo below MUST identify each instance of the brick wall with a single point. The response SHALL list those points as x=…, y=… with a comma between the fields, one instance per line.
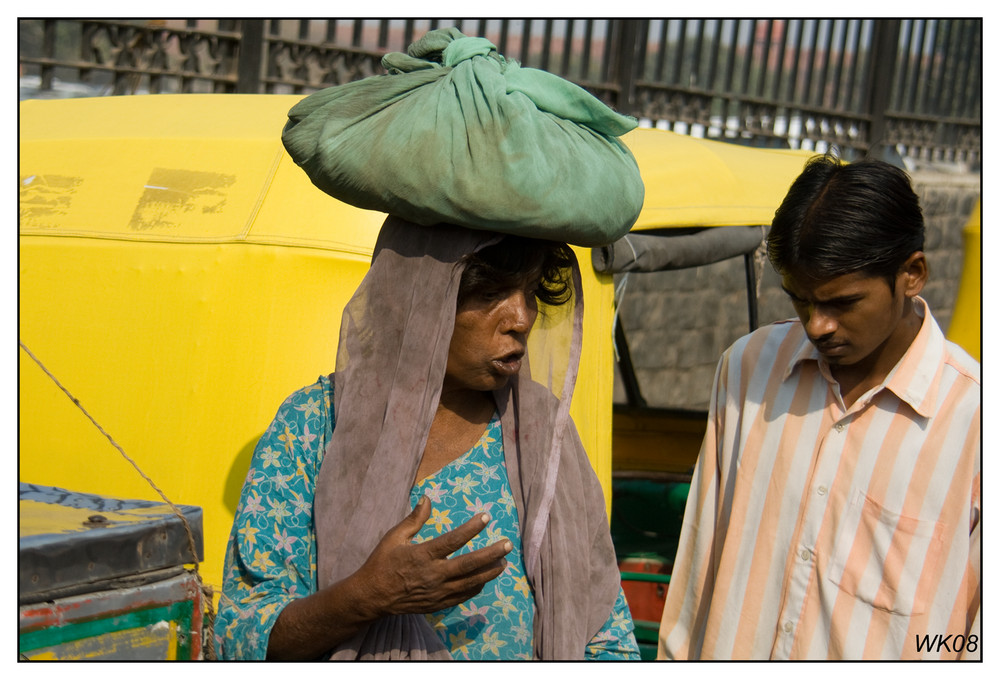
x=678, y=323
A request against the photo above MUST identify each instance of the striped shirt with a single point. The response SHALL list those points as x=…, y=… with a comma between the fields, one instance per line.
x=815, y=531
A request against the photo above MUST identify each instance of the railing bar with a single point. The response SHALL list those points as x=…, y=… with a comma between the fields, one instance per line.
x=919, y=68
x=504, y=34
x=931, y=39
x=567, y=51
x=383, y=33
x=903, y=68
x=699, y=41
x=587, y=38
x=661, y=50
x=610, y=45
x=853, y=102
x=525, y=41
x=793, y=76
x=357, y=27
x=811, y=64
x=972, y=58
x=951, y=67
x=838, y=66
x=823, y=97
x=779, y=70
x=713, y=53
x=962, y=74
x=727, y=77
x=748, y=58
x=675, y=74
x=930, y=83
x=87, y=31
x=973, y=102
x=964, y=65
x=914, y=51
x=765, y=57
x=407, y=34
x=732, y=101
x=638, y=55
x=546, y=44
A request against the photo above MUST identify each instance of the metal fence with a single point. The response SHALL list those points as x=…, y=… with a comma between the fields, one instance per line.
x=864, y=86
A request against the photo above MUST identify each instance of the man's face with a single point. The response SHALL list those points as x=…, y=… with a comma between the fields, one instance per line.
x=851, y=319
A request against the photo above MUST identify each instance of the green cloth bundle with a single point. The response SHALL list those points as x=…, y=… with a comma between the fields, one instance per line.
x=455, y=133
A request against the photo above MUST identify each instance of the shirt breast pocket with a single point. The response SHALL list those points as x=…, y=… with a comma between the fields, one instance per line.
x=880, y=555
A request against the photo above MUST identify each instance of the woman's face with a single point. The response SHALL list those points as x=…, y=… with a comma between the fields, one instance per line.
x=490, y=337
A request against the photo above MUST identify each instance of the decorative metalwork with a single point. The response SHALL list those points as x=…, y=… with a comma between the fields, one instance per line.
x=128, y=57
x=657, y=103
x=859, y=85
x=302, y=67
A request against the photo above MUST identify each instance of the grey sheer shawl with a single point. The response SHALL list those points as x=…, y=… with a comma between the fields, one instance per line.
x=391, y=359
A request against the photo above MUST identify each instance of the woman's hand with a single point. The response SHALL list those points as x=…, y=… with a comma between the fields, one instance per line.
x=402, y=577
x=398, y=577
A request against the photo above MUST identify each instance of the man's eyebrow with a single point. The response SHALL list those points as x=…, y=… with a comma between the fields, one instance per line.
x=842, y=299
x=838, y=300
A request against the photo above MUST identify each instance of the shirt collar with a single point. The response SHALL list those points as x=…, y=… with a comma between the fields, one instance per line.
x=914, y=379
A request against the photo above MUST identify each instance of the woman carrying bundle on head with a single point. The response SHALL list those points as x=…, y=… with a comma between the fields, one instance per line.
x=435, y=501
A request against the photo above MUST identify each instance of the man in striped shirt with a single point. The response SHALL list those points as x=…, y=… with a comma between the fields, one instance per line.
x=835, y=508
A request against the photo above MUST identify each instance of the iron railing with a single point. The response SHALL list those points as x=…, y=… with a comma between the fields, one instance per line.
x=864, y=86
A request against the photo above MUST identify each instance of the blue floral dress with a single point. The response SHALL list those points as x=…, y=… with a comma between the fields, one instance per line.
x=271, y=555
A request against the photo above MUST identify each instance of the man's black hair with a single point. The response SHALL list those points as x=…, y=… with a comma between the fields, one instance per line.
x=840, y=218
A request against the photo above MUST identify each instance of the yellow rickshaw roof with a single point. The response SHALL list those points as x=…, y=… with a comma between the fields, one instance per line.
x=236, y=183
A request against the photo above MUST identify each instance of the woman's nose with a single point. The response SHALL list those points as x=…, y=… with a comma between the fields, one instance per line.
x=520, y=312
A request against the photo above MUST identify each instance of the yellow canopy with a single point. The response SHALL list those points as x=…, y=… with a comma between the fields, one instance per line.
x=693, y=182
x=181, y=276
x=965, y=328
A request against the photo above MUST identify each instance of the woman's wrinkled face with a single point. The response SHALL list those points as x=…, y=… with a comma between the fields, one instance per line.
x=490, y=337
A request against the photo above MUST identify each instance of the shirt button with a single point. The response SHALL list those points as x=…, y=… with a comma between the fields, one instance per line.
x=805, y=554
x=821, y=490
x=839, y=427
x=788, y=626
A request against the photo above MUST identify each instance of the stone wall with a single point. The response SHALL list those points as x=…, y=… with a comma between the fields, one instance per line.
x=678, y=323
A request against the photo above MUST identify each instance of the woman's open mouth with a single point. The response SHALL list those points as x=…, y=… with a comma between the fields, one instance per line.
x=508, y=364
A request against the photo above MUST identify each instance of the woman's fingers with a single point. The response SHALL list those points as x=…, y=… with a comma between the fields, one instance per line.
x=460, y=579
x=481, y=559
x=422, y=577
x=411, y=524
x=447, y=543
x=474, y=569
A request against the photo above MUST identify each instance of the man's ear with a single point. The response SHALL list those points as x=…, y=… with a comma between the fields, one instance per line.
x=913, y=274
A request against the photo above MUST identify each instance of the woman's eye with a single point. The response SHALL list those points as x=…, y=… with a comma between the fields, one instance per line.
x=489, y=296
